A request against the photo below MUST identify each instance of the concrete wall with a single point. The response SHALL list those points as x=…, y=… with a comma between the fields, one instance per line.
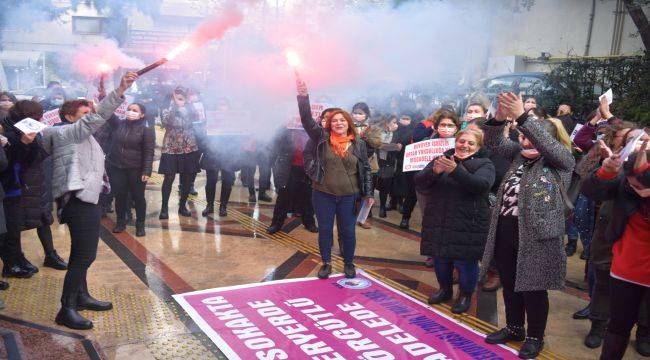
x=558, y=27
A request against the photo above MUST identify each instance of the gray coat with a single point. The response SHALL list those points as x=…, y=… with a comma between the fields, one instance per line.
x=77, y=158
x=541, y=260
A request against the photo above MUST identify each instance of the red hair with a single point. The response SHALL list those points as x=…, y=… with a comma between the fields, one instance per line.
x=352, y=130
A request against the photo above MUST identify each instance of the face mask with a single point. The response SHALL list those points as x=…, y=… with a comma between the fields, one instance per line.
x=359, y=118
x=57, y=102
x=445, y=132
x=132, y=115
x=6, y=104
x=182, y=111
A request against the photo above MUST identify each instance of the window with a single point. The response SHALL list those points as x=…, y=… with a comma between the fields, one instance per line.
x=87, y=25
x=530, y=85
x=500, y=84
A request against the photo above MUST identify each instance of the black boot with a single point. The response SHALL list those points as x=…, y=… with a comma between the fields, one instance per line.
x=508, y=333
x=582, y=314
x=164, y=213
x=54, y=261
x=120, y=226
x=139, y=228
x=442, y=295
x=325, y=271
x=570, y=248
x=531, y=348
x=25, y=264
x=614, y=346
x=405, y=222
x=193, y=191
x=312, y=228
x=4, y=285
x=275, y=227
x=223, y=211
x=16, y=271
x=87, y=302
x=208, y=210
x=183, y=210
x=595, y=337
x=462, y=303
x=69, y=316
x=349, y=271
x=642, y=345
x=251, y=195
x=263, y=196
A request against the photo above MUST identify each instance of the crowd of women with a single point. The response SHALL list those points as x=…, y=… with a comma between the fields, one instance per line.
x=505, y=195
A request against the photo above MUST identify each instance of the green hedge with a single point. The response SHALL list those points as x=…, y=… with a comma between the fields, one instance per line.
x=580, y=81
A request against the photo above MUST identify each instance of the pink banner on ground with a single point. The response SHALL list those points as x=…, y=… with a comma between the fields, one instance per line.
x=337, y=318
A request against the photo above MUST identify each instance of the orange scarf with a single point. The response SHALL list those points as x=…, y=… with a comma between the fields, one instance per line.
x=339, y=143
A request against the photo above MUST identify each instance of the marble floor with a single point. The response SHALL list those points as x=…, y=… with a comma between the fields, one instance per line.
x=183, y=254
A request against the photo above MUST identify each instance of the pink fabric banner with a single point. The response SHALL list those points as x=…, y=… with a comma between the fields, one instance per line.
x=337, y=318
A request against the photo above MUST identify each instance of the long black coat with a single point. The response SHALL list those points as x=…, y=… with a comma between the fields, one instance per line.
x=456, y=217
x=3, y=165
x=35, y=186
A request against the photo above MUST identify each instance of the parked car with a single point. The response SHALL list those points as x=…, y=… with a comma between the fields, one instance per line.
x=486, y=90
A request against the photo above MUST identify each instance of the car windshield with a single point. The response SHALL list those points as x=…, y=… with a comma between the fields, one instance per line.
x=500, y=84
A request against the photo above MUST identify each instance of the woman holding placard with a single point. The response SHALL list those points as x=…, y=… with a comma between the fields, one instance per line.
x=456, y=221
x=339, y=169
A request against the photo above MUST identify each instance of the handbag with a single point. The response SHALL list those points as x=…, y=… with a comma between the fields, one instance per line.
x=570, y=195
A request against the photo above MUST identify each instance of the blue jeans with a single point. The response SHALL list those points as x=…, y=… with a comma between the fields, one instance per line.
x=584, y=219
x=326, y=207
x=467, y=271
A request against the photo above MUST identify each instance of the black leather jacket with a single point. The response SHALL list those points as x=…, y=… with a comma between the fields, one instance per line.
x=314, y=154
x=132, y=145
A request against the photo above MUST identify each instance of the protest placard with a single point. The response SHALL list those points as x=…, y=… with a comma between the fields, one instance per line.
x=51, y=117
x=418, y=155
x=575, y=131
x=29, y=126
x=335, y=318
x=294, y=117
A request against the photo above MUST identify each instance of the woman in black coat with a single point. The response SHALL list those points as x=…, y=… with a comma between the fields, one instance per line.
x=3, y=228
x=29, y=203
x=455, y=222
x=129, y=161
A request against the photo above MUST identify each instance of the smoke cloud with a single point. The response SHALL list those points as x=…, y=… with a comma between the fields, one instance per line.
x=91, y=60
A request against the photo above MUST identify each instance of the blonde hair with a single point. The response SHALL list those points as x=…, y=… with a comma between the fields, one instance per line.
x=560, y=133
x=477, y=133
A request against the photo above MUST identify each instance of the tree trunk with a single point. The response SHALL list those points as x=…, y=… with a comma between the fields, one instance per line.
x=640, y=20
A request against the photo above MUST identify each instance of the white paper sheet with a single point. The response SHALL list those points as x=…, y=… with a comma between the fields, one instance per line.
x=29, y=125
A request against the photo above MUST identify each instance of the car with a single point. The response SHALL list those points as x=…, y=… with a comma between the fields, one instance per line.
x=524, y=83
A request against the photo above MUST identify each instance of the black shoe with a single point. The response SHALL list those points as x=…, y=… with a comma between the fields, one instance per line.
x=349, y=271
x=382, y=212
x=87, y=302
x=164, y=214
x=252, y=198
x=312, y=228
x=223, y=211
x=184, y=211
x=129, y=218
x=4, y=285
x=531, y=348
x=139, y=228
x=506, y=334
x=25, y=264
x=584, y=255
x=54, y=261
x=570, y=250
x=16, y=271
x=462, y=303
x=429, y=262
x=119, y=227
x=594, y=339
x=208, y=210
x=405, y=223
x=193, y=191
x=441, y=296
x=273, y=229
x=325, y=271
x=69, y=317
x=263, y=196
x=582, y=314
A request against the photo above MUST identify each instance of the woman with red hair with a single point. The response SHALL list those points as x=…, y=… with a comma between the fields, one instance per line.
x=339, y=169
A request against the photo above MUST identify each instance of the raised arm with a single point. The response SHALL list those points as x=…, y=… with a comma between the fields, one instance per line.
x=497, y=142
x=314, y=131
x=554, y=153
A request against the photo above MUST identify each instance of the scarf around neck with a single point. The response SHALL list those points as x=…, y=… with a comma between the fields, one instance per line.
x=339, y=143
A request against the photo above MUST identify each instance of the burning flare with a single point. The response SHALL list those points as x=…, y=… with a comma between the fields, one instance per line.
x=104, y=68
x=177, y=50
x=293, y=59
